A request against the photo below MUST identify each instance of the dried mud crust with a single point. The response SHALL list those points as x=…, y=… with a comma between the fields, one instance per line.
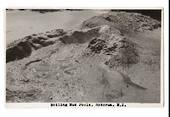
x=68, y=65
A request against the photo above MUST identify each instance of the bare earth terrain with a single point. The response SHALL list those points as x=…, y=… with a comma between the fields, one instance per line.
x=82, y=56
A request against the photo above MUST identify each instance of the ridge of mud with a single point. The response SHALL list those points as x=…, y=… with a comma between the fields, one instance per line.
x=24, y=47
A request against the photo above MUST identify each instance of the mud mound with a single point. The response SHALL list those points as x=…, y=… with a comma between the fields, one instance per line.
x=122, y=51
x=123, y=21
x=24, y=47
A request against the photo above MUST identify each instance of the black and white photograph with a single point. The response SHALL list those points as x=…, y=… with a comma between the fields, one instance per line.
x=84, y=55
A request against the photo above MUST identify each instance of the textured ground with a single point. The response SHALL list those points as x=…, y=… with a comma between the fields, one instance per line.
x=112, y=57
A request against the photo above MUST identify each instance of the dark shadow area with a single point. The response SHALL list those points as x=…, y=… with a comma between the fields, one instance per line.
x=79, y=36
x=23, y=49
